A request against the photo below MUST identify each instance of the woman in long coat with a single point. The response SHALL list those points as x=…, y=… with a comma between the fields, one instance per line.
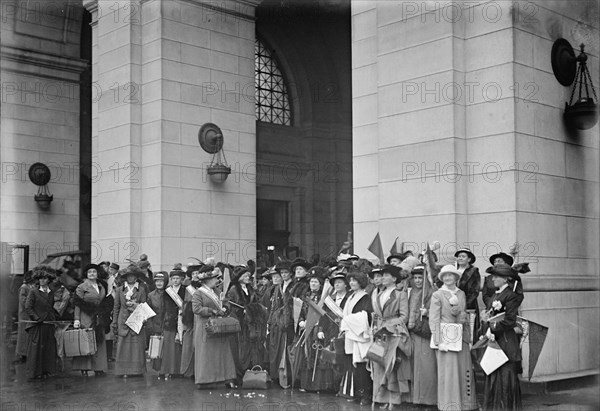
x=154, y=326
x=22, y=337
x=131, y=347
x=89, y=295
x=424, y=381
x=502, y=388
x=172, y=325
x=41, y=351
x=324, y=378
x=456, y=379
x=390, y=315
x=247, y=346
x=214, y=363
x=469, y=283
x=356, y=381
x=187, y=317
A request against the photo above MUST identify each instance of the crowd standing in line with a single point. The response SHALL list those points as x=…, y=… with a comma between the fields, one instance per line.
x=373, y=334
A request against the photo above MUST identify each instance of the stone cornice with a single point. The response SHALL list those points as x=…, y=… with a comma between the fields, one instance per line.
x=248, y=4
x=31, y=58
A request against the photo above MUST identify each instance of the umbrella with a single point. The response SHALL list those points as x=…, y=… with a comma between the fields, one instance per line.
x=296, y=355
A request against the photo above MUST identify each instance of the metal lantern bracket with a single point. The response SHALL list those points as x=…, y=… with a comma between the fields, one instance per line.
x=211, y=140
x=39, y=174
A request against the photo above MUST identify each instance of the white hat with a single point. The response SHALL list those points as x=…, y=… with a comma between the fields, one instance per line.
x=449, y=268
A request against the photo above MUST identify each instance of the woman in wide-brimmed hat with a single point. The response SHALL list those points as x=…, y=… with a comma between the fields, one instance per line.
x=390, y=316
x=456, y=379
x=502, y=388
x=470, y=283
x=131, y=347
x=88, y=299
x=41, y=351
x=214, y=363
x=248, y=346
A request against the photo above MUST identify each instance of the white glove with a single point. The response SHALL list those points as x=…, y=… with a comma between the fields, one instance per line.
x=443, y=347
x=321, y=335
x=76, y=324
x=490, y=336
x=301, y=324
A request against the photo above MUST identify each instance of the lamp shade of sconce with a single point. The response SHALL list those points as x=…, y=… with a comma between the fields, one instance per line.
x=39, y=174
x=568, y=69
x=211, y=140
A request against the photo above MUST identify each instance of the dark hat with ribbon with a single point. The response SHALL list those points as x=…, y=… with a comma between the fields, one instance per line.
x=133, y=269
x=468, y=252
x=300, y=262
x=207, y=272
x=505, y=257
x=418, y=270
x=394, y=255
x=90, y=267
x=338, y=275
x=177, y=273
x=318, y=272
x=114, y=266
x=237, y=273
x=44, y=271
x=282, y=265
x=160, y=275
x=375, y=270
x=395, y=271
x=193, y=267
x=502, y=270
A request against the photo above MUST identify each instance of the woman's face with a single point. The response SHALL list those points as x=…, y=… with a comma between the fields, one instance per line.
x=462, y=258
x=277, y=279
x=92, y=274
x=245, y=278
x=212, y=282
x=388, y=280
x=195, y=275
x=315, y=284
x=395, y=261
x=499, y=260
x=159, y=284
x=418, y=280
x=264, y=281
x=300, y=272
x=377, y=277
x=339, y=285
x=449, y=279
x=354, y=285
x=44, y=281
x=498, y=281
x=176, y=280
x=131, y=278
x=285, y=275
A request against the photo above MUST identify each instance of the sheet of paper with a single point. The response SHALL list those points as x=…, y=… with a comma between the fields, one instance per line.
x=141, y=313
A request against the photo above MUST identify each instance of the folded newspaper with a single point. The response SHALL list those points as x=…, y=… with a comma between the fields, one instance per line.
x=141, y=313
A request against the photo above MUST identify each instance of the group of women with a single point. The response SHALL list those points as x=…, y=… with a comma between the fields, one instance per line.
x=370, y=334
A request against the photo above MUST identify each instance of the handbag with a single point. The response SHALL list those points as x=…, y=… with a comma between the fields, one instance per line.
x=377, y=350
x=256, y=379
x=80, y=342
x=422, y=327
x=155, y=347
x=218, y=326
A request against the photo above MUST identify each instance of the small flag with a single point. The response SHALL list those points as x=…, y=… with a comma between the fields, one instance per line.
x=377, y=249
x=394, y=249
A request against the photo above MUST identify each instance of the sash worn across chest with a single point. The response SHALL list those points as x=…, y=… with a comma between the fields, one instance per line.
x=212, y=296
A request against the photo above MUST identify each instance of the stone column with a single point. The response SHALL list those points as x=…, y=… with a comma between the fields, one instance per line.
x=174, y=65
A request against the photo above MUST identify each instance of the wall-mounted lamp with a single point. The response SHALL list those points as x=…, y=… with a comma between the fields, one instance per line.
x=211, y=141
x=39, y=174
x=583, y=114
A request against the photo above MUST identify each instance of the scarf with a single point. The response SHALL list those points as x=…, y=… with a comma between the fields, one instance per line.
x=131, y=289
x=352, y=300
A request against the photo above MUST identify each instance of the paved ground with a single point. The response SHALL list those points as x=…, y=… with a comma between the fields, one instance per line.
x=69, y=391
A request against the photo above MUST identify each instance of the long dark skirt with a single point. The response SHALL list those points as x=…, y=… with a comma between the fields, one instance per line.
x=131, y=354
x=277, y=345
x=324, y=378
x=356, y=381
x=171, y=354
x=502, y=388
x=187, y=353
x=41, y=351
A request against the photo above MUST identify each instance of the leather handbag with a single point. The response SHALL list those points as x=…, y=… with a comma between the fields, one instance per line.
x=376, y=351
x=80, y=342
x=218, y=326
x=256, y=379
